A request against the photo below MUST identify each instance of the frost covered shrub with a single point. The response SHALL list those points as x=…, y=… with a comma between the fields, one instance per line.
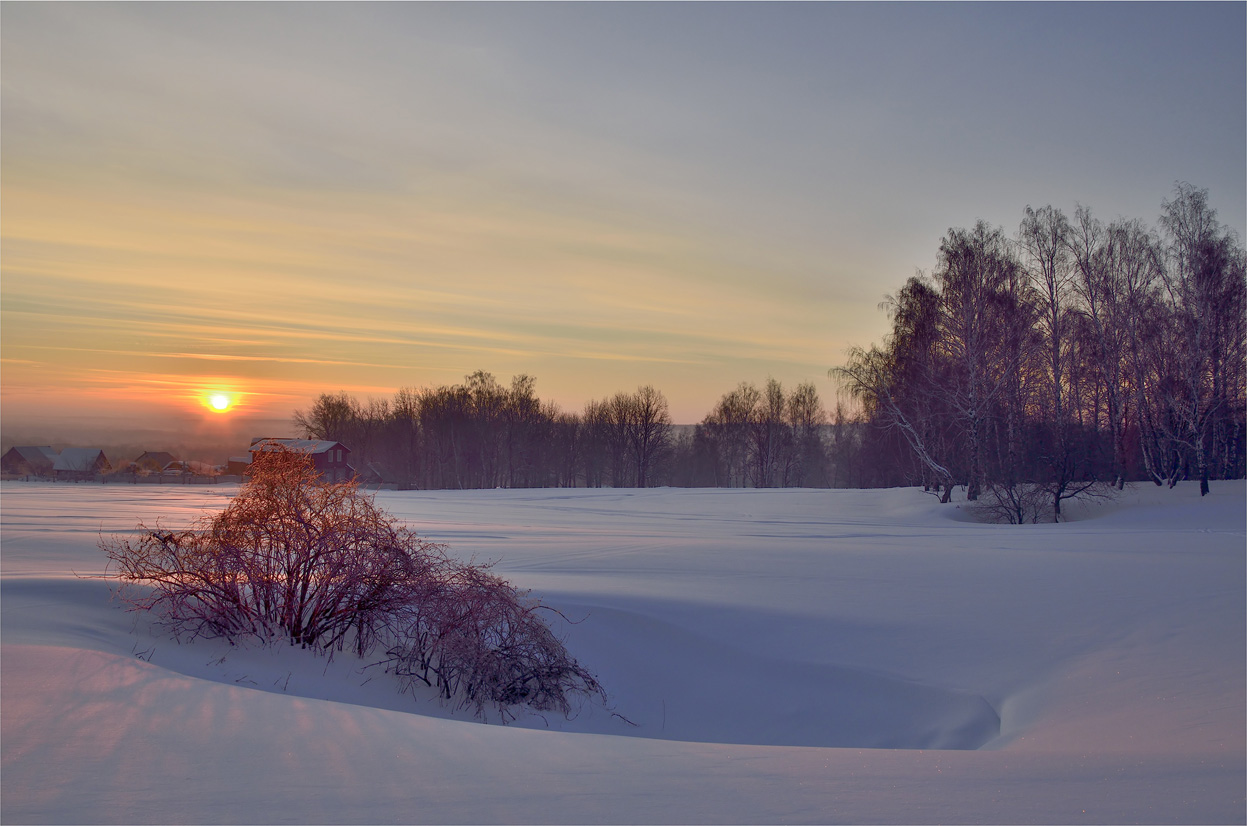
x=476, y=638
x=1013, y=504
x=1020, y=503
x=296, y=559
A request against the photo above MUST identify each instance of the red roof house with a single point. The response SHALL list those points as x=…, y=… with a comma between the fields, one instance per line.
x=328, y=458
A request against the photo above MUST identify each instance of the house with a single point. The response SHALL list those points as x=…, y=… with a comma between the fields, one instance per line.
x=28, y=460
x=328, y=458
x=78, y=463
x=237, y=465
x=155, y=460
x=176, y=468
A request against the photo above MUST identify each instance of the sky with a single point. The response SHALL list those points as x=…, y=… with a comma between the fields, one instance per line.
x=273, y=201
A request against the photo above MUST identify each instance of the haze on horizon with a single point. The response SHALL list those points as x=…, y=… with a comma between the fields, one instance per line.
x=271, y=201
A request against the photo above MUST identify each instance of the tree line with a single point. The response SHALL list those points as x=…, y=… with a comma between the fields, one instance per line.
x=483, y=434
x=1074, y=352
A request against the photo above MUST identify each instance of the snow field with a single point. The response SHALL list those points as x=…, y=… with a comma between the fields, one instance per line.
x=786, y=655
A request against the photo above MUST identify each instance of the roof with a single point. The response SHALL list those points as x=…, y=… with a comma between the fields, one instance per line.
x=158, y=457
x=79, y=459
x=36, y=453
x=301, y=445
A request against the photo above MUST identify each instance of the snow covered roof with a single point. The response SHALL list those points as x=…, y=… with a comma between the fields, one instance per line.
x=302, y=445
x=37, y=459
x=160, y=458
x=36, y=453
x=80, y=459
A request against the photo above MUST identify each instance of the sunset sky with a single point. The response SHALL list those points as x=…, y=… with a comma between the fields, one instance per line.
x=270, y=201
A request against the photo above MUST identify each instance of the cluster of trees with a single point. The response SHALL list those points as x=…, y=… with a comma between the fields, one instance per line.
x=767, y=438
x=1073, y=352
x=482, y=434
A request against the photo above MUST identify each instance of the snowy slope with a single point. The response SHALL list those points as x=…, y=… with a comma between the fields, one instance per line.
x=782, y=656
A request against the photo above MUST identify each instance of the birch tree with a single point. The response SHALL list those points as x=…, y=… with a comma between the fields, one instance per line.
x=1203, y=276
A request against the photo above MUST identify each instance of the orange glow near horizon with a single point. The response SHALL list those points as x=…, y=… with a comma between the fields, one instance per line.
x=220, y=399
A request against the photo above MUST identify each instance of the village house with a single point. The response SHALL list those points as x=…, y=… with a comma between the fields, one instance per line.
x=328, y=458
x=176, y=468
x=28, y=460
x=155, y=460
x=80, y=463
x=237, y=465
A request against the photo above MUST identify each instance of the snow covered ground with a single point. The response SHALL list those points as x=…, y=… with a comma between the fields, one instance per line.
x=783, y=656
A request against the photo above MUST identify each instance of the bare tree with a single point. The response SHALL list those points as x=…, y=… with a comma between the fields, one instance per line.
x=806, y=418
x=649, y=432
x=728, y=427
x=870, y=376
x=596, y=456
x=445, y=428
x=567, y=445
x=331, y=416
x=403, y=451
x=975, y=268
x=1203, y=274
x=1045, y=240
x=1099, y=300
x=770, y=440
x=488, y=434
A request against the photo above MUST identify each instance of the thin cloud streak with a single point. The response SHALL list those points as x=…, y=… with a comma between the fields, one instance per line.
x=203, y=356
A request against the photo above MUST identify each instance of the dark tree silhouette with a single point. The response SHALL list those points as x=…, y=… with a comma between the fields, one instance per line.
x=1081, y=354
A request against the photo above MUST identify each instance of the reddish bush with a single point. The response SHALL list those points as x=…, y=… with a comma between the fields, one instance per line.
x=475, y=637
x=294, y=558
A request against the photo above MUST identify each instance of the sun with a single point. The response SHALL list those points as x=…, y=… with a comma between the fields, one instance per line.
x=218, y=399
